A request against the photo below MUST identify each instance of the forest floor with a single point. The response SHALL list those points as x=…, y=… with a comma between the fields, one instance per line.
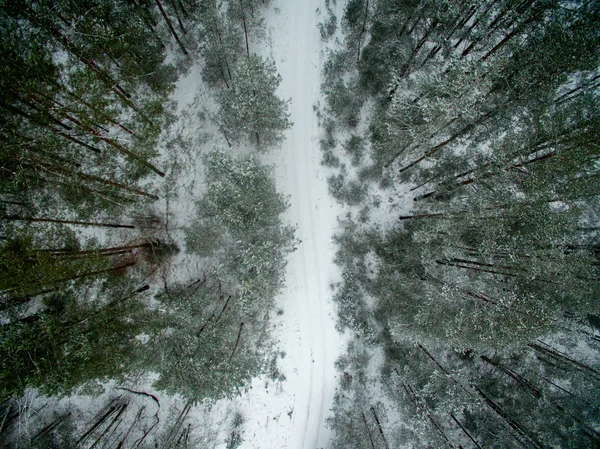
x=294, y=415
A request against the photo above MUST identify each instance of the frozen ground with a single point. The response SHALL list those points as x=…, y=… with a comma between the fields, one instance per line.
x=292, y=415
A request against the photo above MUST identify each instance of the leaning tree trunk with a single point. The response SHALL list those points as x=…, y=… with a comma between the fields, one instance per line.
x=171, y=29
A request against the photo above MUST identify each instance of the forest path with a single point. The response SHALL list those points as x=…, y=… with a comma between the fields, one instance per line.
x=307, y=299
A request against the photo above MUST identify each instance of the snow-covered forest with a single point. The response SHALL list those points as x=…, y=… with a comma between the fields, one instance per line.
x=143, y=239
x=463, y=137
x=299, y=224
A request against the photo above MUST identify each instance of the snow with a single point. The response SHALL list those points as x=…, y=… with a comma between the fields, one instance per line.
x=294, y=415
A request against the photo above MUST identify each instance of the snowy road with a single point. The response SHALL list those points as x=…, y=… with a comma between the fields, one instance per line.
x=310, y=268
x=292, y=415
x=307, y=300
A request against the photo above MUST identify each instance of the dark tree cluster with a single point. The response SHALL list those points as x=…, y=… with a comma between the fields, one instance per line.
x=84, y=102
x=484, y=115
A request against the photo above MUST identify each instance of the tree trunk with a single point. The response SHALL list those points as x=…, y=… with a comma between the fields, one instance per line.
x=176, y=9
x=80, y=223
x=111, y=410
x=92, y=252
x=237, y=341
x=50, y=427
x=40, y=113
x=71, y=48
x=97, y=179
x=445, y=371
x=223, y=309
x=78, y=142
x=511, y=422
x=245, y=29
x=367, y=429
x=10, y=302
x=178, y=424
x=589, y=431
x=506, y=39
x=116, y=145
x=513, y=375
x=490, y=29
x=418, y=19
x=465, y=431
x=379, y=427
x=134, y=423
x=410, y=217
x=583, y=87
x=222, y=49
x=54, y=157
x=362, y=30
x=557, y=355
x=171, y=29
x=114, y=421
x=449, y=140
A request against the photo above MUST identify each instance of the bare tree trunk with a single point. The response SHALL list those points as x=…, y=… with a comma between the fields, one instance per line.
x=508, y=420
x=367, y=429
x=178, y=424
x=81, y=223
x=134, y=423
x=237, y=341
x=116, y=145
x=513, y=375
x=490, y=29
x=223, y=309
x=171, y=29
x=98, y=179
x=450, y=139
x=557, y=355
x=71, y=48
x=589, y=431
x=111, y=410
x=465, y=431
x=176, y=9
x=245, y=29
x=439, y=365
x=50, y=427
x=505, y=40
x=225, y=56
x=92, y=252
x=410, y=217
x=379, y=426
x=78, y=142
x=114, y=421
x=362, y=30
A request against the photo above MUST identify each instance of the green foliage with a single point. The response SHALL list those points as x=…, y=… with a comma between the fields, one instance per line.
x=198, y=357
x=478, y=296
x=350, y=192
x=25, y=269
x=329, y=26
x=354, y=147
x=204, y=238
x=353, y=13
x=235, y=439
x=216, y=339
x=242, y=192
x=251, y=109
x=84, y=93
x=73, y=340
x=344, y=104
x=239, y=222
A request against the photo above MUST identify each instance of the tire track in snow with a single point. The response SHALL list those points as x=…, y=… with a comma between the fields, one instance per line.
x=296, y=48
